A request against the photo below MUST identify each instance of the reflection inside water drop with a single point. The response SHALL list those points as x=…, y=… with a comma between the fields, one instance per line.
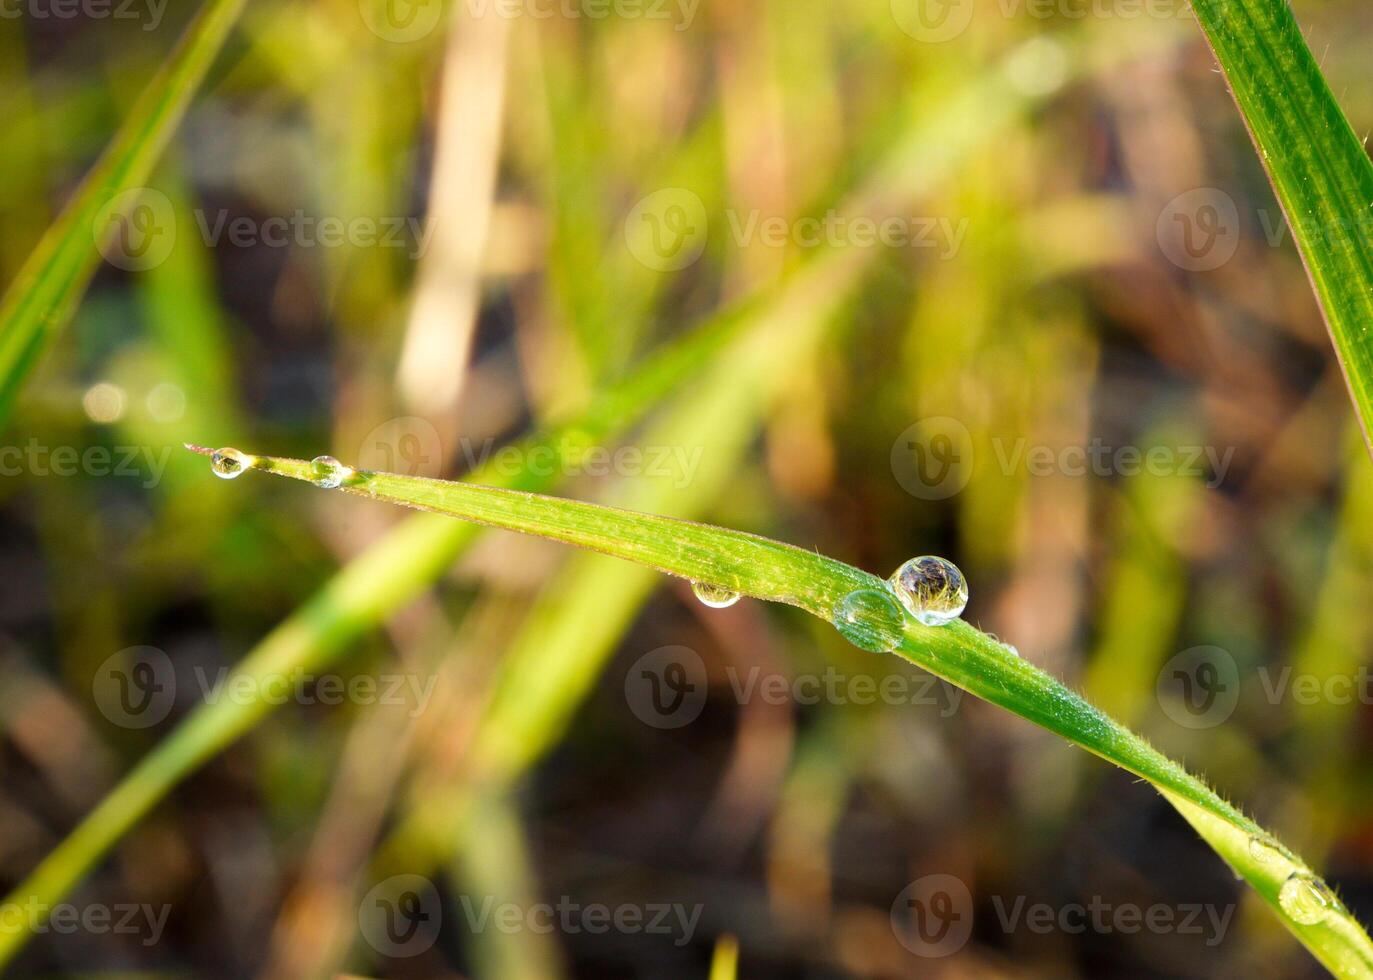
x=715, y=596
x=327, y=472
x=1306, y=898
x=228, y=463
x=932, y=588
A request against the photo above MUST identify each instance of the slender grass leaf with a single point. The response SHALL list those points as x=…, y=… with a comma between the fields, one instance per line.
x=372, y=587
x=960, y=654
x=1317, y=165
x=49, y=285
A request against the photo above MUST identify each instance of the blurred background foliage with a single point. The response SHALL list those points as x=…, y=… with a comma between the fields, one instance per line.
x=1052, y=146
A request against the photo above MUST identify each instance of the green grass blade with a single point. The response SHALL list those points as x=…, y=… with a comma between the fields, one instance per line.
x=724, y=963
x=360, y=597
x=43, y=295
x=959, y=653
x=553, y=662
x=1317, y=164
x=743, y=563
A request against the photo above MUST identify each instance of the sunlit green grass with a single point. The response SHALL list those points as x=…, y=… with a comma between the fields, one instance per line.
x=809, y=338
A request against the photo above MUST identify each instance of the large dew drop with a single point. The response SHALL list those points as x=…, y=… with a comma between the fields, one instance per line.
x=933, y=589
x=1306, y=898
x=229, y=463
x=870, y=619
x=715, y=596
x=327, y=472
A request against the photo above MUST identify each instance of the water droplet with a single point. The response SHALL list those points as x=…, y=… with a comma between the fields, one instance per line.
x=1267, y=851
x=327, y=472
x=870, y=619
x=715, y=596
x=932, y=588
x=1306, y=898
x=229, y=463
x=1011, y=649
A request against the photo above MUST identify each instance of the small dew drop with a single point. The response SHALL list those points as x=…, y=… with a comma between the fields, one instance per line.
x=327, y=472
x=870, y=619
x=715, y=596
x=932, y=588
x=229, y=463
x=1306, y=898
